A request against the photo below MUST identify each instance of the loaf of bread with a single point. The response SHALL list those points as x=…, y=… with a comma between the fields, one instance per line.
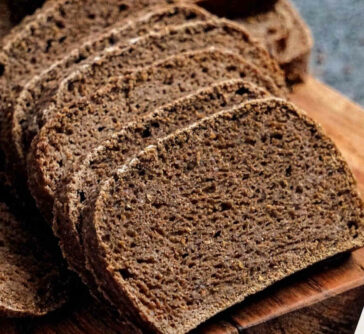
x=157, y=142
x=219, y=211
x=56, y=148
x=43, y=96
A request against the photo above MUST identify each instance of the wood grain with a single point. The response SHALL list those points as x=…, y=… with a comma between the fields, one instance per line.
x=336, y=315
x=327, y=300
x=342, y=119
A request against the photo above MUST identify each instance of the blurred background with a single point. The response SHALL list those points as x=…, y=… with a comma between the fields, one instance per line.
x=338, y=56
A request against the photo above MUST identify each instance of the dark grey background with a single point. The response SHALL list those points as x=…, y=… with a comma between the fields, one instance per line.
x=338, y=30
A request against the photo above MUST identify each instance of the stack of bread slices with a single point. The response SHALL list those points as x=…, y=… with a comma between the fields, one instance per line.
x=156, y=141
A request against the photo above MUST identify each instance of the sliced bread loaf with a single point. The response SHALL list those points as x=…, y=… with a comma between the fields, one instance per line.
x=83, y=124
x=33, y=278
x=143, y=51
x=78, y=190
x=219, y=211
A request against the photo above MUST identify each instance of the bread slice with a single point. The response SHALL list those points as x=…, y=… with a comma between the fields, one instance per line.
x=78, y=190
x=278, y=25
x=125, y=99
x=219, y=211
x=143, y=51
x=33, y=278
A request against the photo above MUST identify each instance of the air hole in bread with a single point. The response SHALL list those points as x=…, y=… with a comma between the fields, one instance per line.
x=123, y=7
x=289, y=171
x=112, y=40
x=82, y=196
x=48, y=45
x=2, y=69
x=191, y=16
x=146, y=133
x=80, y=58
x=125, y=274
x=60, y=24
x=242, y=91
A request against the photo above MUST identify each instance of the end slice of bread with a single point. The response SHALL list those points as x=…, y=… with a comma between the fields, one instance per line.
x=278, y=25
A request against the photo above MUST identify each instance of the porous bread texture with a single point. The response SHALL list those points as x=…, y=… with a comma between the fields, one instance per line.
x=125, y=99
x=46, y=37
x=219, y=211
x=142, y=51
x=33, y=280
x=38, y=92
x=77, y=191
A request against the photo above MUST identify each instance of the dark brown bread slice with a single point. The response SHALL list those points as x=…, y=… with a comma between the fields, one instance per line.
x=33, y=280
x=125, y=99
x=47, y=36
x=278, y=25
x=219, y=211
x=41, y=88
x=78, y=190
x=143, y=51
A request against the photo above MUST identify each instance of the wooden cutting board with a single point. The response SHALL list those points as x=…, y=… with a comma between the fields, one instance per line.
x=326, y=299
